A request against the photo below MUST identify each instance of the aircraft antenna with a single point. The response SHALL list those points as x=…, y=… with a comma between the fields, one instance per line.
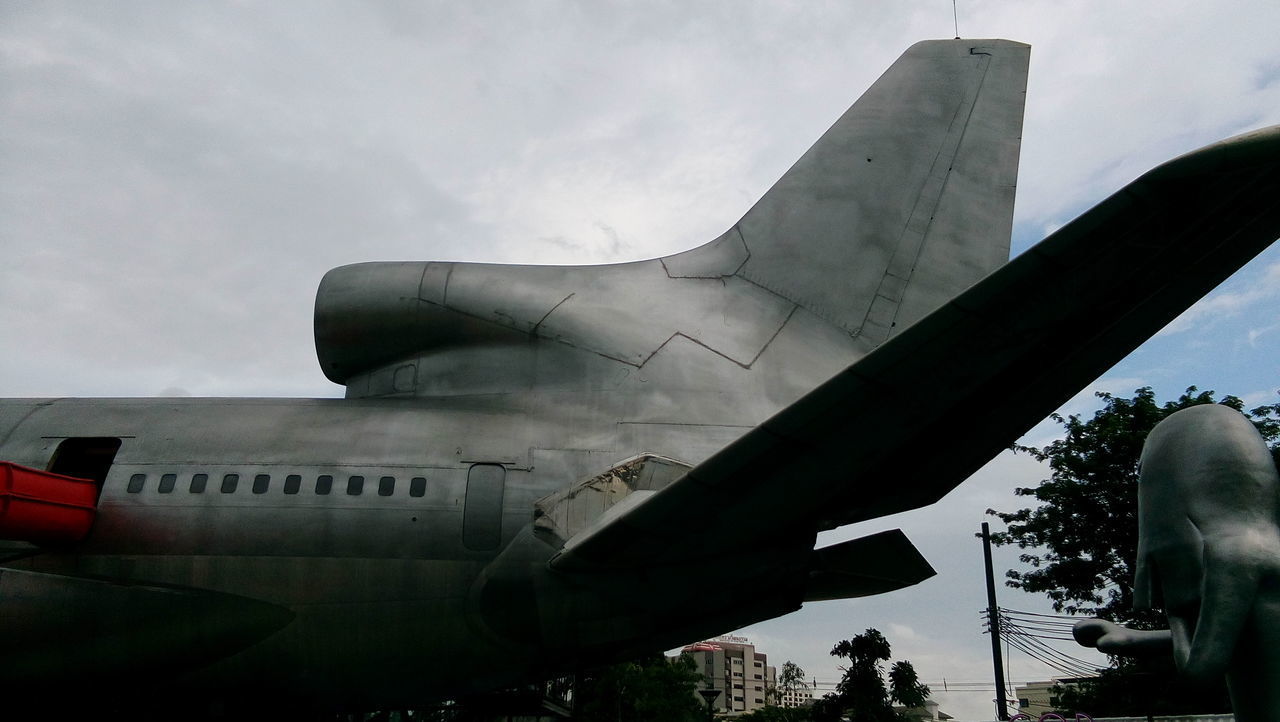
x=955, y=16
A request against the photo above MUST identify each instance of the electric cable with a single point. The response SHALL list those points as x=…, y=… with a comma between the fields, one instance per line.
x=1027, y=631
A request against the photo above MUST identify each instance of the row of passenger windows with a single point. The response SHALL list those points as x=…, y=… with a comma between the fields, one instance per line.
x=262, y=484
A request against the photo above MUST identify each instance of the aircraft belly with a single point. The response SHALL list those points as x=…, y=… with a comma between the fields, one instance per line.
x=300, y=626
x=353, y=654
x=283, y=580
x=58, y=627
x=380, y=632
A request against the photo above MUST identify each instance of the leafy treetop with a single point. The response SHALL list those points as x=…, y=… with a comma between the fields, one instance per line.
x=862, y=696
x=649, y=688
x=1084, y=532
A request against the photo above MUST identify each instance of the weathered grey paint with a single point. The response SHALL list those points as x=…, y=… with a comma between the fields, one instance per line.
x=772, y=375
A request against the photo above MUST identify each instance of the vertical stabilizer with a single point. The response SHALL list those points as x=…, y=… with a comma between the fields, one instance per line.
x=903, y=203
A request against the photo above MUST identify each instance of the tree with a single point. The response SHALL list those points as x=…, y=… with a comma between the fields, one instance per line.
x=862, y=694
x=1141, y=687
x=790, y=679
x=1082, y=541
x=1085, y=532
x=650, y=688
x=905, y=687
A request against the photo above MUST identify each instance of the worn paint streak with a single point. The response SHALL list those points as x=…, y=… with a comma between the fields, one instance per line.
x=538, y=325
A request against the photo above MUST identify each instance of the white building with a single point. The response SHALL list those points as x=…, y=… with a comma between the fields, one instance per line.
x=801, y=696
x=1038, y=698
x=733, y=666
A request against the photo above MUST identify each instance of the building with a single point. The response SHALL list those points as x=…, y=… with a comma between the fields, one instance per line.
x=801, y=696
x=733, y=666
x=927, y=713
x=1037, y=698
x=1040, y=698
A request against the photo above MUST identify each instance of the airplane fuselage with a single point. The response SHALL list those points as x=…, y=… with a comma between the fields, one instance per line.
x=344, y=542
x=349, y=514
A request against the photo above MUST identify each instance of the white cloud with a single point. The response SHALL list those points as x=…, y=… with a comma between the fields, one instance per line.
x=1263, y=397
x=1230, y=304
x=902, y=632
x=1257, y=333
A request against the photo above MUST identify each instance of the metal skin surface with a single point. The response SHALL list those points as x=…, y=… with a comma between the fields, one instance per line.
x=1208, y=553
x=592, y=440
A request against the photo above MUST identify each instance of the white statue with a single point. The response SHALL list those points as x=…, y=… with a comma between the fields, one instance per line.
x=1209, y=554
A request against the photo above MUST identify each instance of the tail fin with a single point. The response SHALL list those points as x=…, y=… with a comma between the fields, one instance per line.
x=906, y=201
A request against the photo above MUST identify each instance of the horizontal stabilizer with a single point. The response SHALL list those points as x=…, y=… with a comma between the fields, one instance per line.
x=862, y=567
x=906, y=424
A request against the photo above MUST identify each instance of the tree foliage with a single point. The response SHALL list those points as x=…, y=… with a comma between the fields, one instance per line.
x=1141, y=687
x=650, y=688
x=905, y=687
x=862, y=694
x=790, y=679
x=1081, y=543
x=1082, y=539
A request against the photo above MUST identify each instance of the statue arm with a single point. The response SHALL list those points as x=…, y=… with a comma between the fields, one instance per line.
x=1113, y=638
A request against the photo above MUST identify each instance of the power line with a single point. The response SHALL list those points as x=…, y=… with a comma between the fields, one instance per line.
x=1006, y=610
x=1027, y=631
x=1057, y=660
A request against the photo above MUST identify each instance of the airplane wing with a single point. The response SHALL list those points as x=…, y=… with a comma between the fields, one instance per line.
x=906, y=424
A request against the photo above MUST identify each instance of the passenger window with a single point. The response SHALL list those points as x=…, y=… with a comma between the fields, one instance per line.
x=323, y=484
x=417, y=486
x=292, y=483
x=229, y=483
x=386, y=485
x=198, y=483
x=136, y=483
x=261, y=483
x=355, y=485
x=166, y=483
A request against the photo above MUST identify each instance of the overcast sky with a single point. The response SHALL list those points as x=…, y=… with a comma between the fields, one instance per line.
x=176, y=177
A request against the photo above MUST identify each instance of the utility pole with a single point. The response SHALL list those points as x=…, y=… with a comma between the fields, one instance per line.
x=993, y=618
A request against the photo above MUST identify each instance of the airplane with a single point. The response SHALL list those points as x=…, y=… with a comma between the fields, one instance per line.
x=536, y=468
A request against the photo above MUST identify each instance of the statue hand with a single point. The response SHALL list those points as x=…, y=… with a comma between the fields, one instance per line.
x=1113, y=638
